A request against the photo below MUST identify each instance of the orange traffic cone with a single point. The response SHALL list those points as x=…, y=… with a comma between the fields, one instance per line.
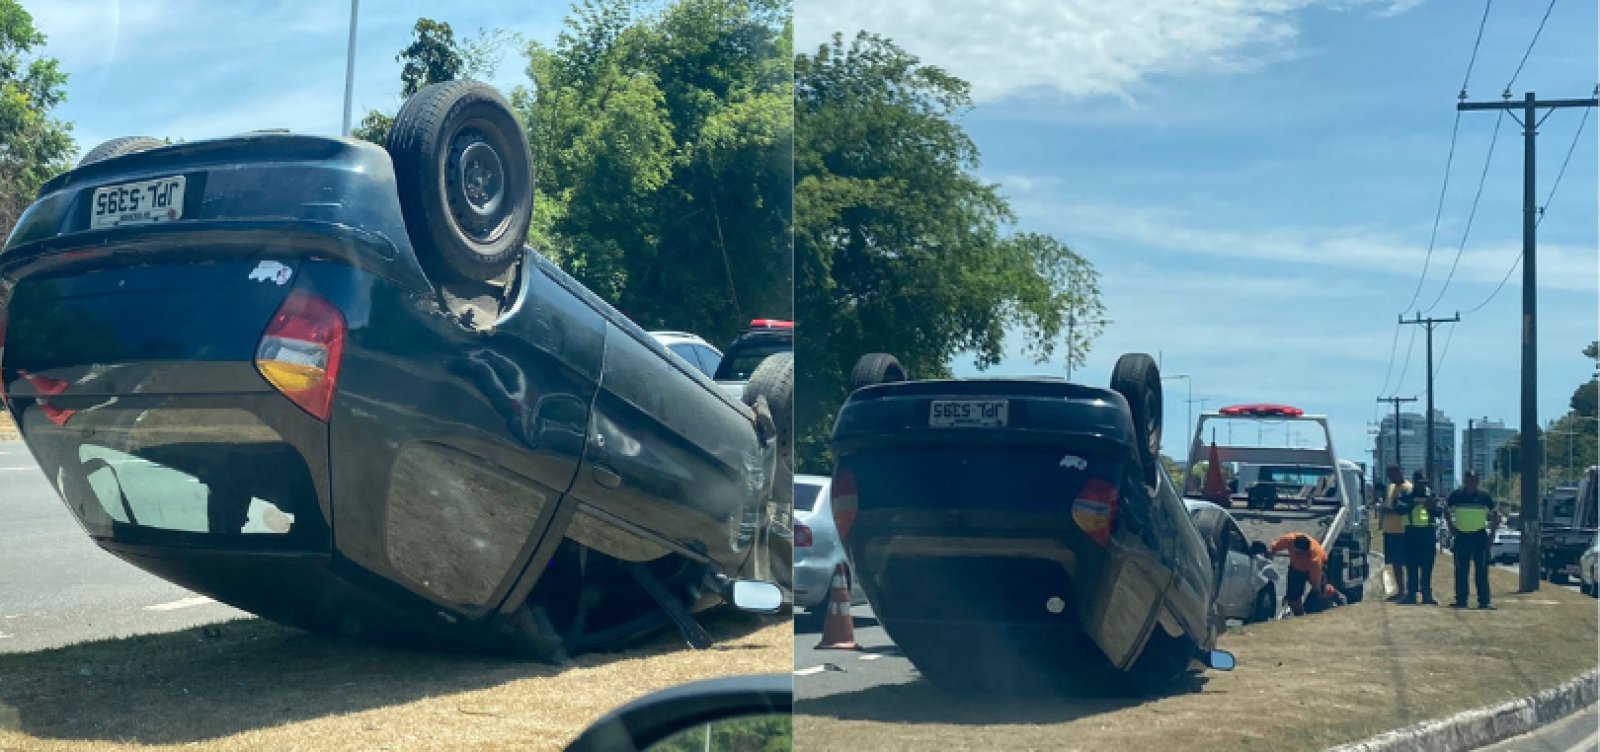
x=839, y=629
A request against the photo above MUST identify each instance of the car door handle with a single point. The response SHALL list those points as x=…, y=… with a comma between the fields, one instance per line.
x=606, y=477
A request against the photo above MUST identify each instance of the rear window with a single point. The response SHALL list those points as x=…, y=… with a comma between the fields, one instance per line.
x=805, y=496
x=741, y=360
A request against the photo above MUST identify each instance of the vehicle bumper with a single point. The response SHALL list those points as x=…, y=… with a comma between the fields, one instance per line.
x=813, y=579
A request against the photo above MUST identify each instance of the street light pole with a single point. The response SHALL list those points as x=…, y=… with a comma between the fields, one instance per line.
x=350, y=67
x=1072, y=322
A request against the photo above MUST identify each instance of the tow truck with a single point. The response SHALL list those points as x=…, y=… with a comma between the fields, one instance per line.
x=1296, y=485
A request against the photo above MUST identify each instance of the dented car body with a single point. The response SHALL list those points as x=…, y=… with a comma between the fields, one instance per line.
x=262, y=397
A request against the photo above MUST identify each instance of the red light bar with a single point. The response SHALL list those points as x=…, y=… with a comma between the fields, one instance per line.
x=1263, y=409
x=771, y=324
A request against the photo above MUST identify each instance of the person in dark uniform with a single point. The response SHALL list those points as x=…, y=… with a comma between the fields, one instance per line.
x=1421, y=541
x=1473, y=519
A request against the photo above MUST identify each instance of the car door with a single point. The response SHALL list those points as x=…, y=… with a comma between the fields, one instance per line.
x=1238, y=578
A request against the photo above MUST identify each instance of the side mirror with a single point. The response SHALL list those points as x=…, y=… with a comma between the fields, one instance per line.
x=756, y=596
x=688, y=716
x=1221, y=660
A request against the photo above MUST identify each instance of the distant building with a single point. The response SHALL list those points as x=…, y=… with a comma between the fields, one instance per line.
x=1412, y=431
x=1479, y=443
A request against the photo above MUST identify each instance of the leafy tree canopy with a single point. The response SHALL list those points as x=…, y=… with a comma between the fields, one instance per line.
x=33, y=145
x=900, y=248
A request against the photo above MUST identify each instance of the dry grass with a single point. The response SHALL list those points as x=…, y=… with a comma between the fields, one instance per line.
x=8, y=427
x=258, y=685
x=1303, y=683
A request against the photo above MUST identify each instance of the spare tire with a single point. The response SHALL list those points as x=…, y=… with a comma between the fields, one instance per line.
x=774, y=558
x=1138, y=379
x=876, y=368
x=117, y=147
x=465, y=179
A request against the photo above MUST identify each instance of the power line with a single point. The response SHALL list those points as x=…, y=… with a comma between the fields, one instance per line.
x=1474, y=59
x=1473, y=213
x=1438, y=211
x=1534, y=41
x=1557, y=183
x=1449, y=335
x=1394, y=345
x=1570, y=147
x=1409, y=346
x=1514, y=264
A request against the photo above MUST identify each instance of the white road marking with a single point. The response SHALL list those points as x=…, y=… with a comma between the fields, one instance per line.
x=3, y=469
x=198, y=600
x=1587, y=745
x=810, y=670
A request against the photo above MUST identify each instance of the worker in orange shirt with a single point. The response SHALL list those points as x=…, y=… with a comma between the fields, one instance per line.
x=1307, y=560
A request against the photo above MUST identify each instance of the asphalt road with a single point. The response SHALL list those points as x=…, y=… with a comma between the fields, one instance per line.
x=1573, y=584
x=1575, y=733
x=58, y=588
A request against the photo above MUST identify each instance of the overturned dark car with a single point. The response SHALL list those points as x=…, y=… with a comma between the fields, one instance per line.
x=1020, y=533
x=328, y=382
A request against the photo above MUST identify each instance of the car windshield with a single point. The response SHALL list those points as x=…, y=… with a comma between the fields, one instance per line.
x=742, y=359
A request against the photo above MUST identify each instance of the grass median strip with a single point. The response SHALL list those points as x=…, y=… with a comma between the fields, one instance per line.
x=1306, y=683
x=258, y=685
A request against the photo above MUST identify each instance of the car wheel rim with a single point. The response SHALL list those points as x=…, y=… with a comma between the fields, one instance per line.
x=482, y=178
x=477, y=185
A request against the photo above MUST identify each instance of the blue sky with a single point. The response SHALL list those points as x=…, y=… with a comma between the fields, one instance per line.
x=197, y=69
x=1256, y=181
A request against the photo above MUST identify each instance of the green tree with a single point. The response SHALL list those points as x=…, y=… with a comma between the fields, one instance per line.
x=662, y=144
x=34, y=146
x=899, y=246
x=1586, y=398
x=435, y=56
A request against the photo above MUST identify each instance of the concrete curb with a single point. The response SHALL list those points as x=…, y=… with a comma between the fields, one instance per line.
x=1484, y=726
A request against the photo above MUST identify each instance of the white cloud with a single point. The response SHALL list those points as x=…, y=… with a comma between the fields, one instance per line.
x=1076, y=48
x=1362, y=250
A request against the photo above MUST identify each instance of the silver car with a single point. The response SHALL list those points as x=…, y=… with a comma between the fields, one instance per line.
x=817, y=552
x=1249, y=589
x=1507, y=545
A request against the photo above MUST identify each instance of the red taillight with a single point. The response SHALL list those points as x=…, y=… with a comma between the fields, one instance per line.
x=802, y=535
x=842, y=497
x=1095, y=509
x=299, y=353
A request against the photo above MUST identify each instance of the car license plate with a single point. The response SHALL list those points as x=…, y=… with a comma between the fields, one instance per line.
x=137, y=203
x=967, y=413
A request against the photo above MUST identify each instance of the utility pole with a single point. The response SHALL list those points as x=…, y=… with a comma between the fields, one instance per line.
x=1430, y=451
x=1396, y=402
x=1072, y=321
x=1529, y=564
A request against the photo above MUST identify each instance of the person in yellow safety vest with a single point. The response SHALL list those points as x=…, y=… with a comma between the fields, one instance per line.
x=1394, y=529
x=1474, y=520
x=1421, y=541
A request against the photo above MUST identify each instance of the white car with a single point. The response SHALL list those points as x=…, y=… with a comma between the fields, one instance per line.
x=692, y=349
x=1589, y=569
x=1506, y=548
x=817, y=552
x=1249, y=590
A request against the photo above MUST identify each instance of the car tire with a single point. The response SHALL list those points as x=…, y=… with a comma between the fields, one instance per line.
x=1265, y=606
x=464, y=176
x=1559, y=578
x=117, y=147
x=1137, y=378
x=876, y=368
x=774, y=380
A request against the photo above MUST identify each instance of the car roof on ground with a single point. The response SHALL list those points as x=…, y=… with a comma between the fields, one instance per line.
x=1195, y=505
x=812, y=480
